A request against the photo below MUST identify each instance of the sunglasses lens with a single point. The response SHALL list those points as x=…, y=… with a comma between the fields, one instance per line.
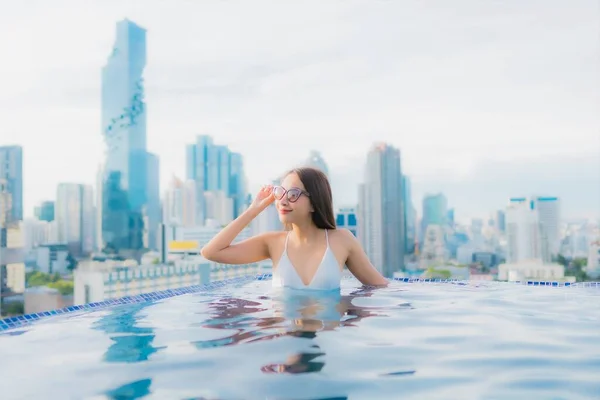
x=278, y=192
x=293, y=195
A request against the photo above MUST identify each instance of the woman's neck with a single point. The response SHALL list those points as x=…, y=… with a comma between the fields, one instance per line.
x=307, y=232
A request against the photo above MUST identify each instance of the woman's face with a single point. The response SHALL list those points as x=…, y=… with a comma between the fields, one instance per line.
x=291, y=200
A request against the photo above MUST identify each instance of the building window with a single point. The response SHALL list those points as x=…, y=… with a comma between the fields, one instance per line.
x=351, y=220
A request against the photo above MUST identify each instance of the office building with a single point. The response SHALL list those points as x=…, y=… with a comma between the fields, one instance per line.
x=382, y=209
x=130, y=206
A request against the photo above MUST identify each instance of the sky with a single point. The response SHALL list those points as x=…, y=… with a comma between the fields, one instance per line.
x=485, y=99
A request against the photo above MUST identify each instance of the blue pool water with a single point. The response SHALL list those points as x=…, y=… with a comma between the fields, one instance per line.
x=248, y=341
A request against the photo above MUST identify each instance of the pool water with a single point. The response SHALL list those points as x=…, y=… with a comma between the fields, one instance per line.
x=249, y=341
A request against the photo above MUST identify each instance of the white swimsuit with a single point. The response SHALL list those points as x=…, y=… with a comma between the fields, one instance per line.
x=327, y=276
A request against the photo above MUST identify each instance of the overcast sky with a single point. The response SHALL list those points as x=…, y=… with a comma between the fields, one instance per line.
x=486, y=99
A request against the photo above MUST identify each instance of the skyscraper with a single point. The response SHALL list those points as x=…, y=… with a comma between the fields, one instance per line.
x=435, y=212
x=382, y=209
x=129, y=170
x=152, y=206
x=179, y=203
x=237, y=183
x=218, y=173
x=75, y=217
x=543, y=214
x=549, y=217
x=523, y=233
x=409, y=215
x=11, y=173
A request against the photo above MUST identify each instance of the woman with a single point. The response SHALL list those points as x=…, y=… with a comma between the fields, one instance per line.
x=311, y=253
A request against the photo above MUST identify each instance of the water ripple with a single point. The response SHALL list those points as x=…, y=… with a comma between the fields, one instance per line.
x=434, y=341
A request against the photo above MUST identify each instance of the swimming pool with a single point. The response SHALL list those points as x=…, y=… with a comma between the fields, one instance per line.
x=244, y=340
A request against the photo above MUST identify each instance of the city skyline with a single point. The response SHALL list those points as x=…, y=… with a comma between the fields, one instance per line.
x=540, y=127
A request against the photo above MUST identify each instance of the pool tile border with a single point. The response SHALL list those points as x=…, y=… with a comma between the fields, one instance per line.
x=23, y=320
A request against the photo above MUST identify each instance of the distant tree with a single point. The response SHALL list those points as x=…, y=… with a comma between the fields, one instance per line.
x=71, y=262
x=576, y=268
x=38, y=278
x=13, y=308
x=65, y=288
x=438, y=273
x=562, y=260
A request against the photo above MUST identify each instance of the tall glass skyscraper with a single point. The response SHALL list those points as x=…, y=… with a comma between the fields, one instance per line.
x=435, y=212
x=215, y=168
x=382, y=210
x=129, y=170
x=11, y=173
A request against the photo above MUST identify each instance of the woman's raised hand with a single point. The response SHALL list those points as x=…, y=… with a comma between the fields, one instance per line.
x=263, y=198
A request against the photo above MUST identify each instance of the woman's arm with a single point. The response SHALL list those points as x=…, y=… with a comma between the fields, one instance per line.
x=358, y=263
x=254, y=249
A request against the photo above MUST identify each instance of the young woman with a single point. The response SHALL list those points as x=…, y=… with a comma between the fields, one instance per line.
x=311, y=252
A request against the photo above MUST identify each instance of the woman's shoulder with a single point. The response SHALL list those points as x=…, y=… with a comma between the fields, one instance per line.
x=273, y=236
x=342, y=235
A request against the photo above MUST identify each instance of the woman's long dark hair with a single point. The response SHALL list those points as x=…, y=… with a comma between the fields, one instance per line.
x=317, y=185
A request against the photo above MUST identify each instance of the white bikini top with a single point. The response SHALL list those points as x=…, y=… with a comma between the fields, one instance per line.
x=327, y=276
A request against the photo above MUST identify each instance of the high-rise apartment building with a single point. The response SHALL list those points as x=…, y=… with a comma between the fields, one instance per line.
x=544, y=214
x=11, y=176
x=549, y=218
x=526, y=241
x=179, y=203
x=130, y=201
x=382, y=209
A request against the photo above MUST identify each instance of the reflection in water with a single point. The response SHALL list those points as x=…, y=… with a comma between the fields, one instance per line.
x=133, y=390
x=131, y=343
x=296, y=364
x=296, y=313
x=285, y=313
